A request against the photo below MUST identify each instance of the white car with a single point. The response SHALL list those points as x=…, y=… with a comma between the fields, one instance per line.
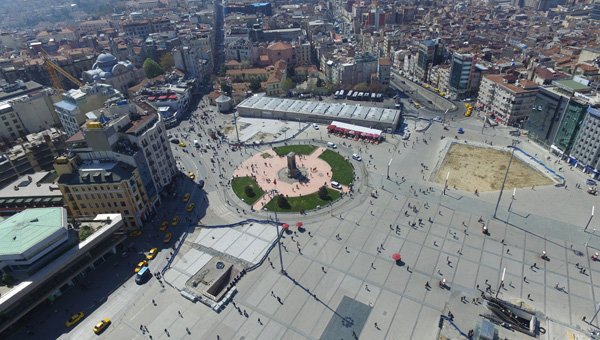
x=356, y=157
x=331, y=145
x=336, y=185
x=315, y=126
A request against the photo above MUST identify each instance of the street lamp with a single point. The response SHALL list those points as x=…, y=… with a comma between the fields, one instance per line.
x=590, y=220
x=512, y=153
x=446, y=183
x=272, y=194
x=501, y=282
x=388, y=168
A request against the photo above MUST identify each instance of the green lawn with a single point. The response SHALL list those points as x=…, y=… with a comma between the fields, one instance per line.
x=343, y=172
x=308, y=202
x=239, y=183
x=300, y=149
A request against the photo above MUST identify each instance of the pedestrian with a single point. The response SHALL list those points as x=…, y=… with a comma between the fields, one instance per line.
x=528, y=296
x=525, y=279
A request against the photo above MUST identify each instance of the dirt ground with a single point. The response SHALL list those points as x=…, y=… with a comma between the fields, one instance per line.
x=473, y=167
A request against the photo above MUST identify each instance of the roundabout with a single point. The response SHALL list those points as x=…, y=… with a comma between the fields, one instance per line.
x=292, y=178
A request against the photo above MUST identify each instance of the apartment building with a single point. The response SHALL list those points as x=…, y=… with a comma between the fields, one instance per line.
x=77, y=102
x=506, y=99
x=34, y=152
x=134, y=134
x=97, y=187
x=460, y=75
x=25, y=107
x=141, y=28
x=430, y=53
x=586, y=149
x=384, y=69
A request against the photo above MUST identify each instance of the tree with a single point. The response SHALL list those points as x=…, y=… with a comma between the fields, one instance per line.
x=7, y=279
x=152, y=68
x=323, y=193
x=226, y=88
x=288, y=84
x=282, y=202
x=167, y=61
x=361, y=87
x=254, y=84
x=319, y=82
x=249, y=191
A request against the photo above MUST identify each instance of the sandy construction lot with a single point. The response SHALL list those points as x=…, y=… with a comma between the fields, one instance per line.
x=473, y=167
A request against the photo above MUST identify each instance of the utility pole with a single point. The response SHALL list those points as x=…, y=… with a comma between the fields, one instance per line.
x=501, y=282
x=446, y=183
x=388, y=168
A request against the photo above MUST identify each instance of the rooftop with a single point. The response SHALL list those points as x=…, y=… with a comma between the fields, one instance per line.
x=24, y=230
x=90, y=173
x=34, y=185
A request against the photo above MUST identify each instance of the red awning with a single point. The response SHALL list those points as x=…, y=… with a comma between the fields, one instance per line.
x=330, y=127
x=151, y=98
x=162, y=97
x=173, y=96
x=396, y=256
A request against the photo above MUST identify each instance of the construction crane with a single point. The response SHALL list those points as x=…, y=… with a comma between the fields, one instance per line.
x=53, y=71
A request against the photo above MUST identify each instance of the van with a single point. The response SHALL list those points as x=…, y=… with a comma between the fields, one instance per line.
x=142, y=276
x=336, y=185
x=331, y=145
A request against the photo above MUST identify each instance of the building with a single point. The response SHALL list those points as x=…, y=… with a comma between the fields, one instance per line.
x=121, y=75
x=25, y=107
x=77, y=102
x=172, y=101
x=95, y=187
x=274, y=84
x=351, y=71
x=142, y=28
x=260, y=106
x=586, y=149
x=34, y=152
x=506, y=99
x=557, y=114
x=191, y=63
x=392, y=43
x=460, y=75
x=384, y=70
x=595, y=12
x=133, y=134
x=429, y=53
x=44, y=254
x=37, y=190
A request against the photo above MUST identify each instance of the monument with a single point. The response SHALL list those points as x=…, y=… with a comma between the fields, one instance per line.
x=293, y=171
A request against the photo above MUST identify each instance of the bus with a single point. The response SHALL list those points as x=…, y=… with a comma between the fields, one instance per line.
x=349, y=94
x=355, y=95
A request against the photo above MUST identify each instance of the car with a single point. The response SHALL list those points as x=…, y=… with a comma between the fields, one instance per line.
x=143, y=276
x=174, y=140
x=140, y=265
x=135, y=233
x=186, y=197
x=336, y=185
x=461, y=131
x=152, y=254
x=590, y=181
x=331, y=145
x=437, y=119
x=102, y=325
x=164, y=225
x=190, y=207
x=182, y=144
x=175, y=220
x=315, y=126
x=356, y=157
x=201, y=184
x=191, y=175
x=168, y=237
x=75, y=318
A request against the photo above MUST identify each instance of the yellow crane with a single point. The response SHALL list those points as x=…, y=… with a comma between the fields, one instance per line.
x=53, y=71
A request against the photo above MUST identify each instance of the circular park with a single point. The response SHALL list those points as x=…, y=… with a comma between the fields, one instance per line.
x=293, y=178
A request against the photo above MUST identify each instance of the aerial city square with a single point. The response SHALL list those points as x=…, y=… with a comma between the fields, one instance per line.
x=360, y=169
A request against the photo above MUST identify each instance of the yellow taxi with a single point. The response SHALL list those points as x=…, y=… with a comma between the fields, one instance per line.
x=135, y=233
x=186, y=197
x=168, y=237
x=190, y=207
x=75, y=318
x=152, y=254
x=164, y=225
x=175, y=220
x=426, y=86
x=191, y=175
x=182, y=144
x=140, y=265
x=101, y=326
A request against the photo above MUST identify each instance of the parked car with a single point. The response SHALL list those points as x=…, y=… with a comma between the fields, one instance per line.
x=75, y=318
x=331, y=145
x=336, y=185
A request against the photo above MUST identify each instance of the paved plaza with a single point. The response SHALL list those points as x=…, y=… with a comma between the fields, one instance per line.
x=340, y=277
